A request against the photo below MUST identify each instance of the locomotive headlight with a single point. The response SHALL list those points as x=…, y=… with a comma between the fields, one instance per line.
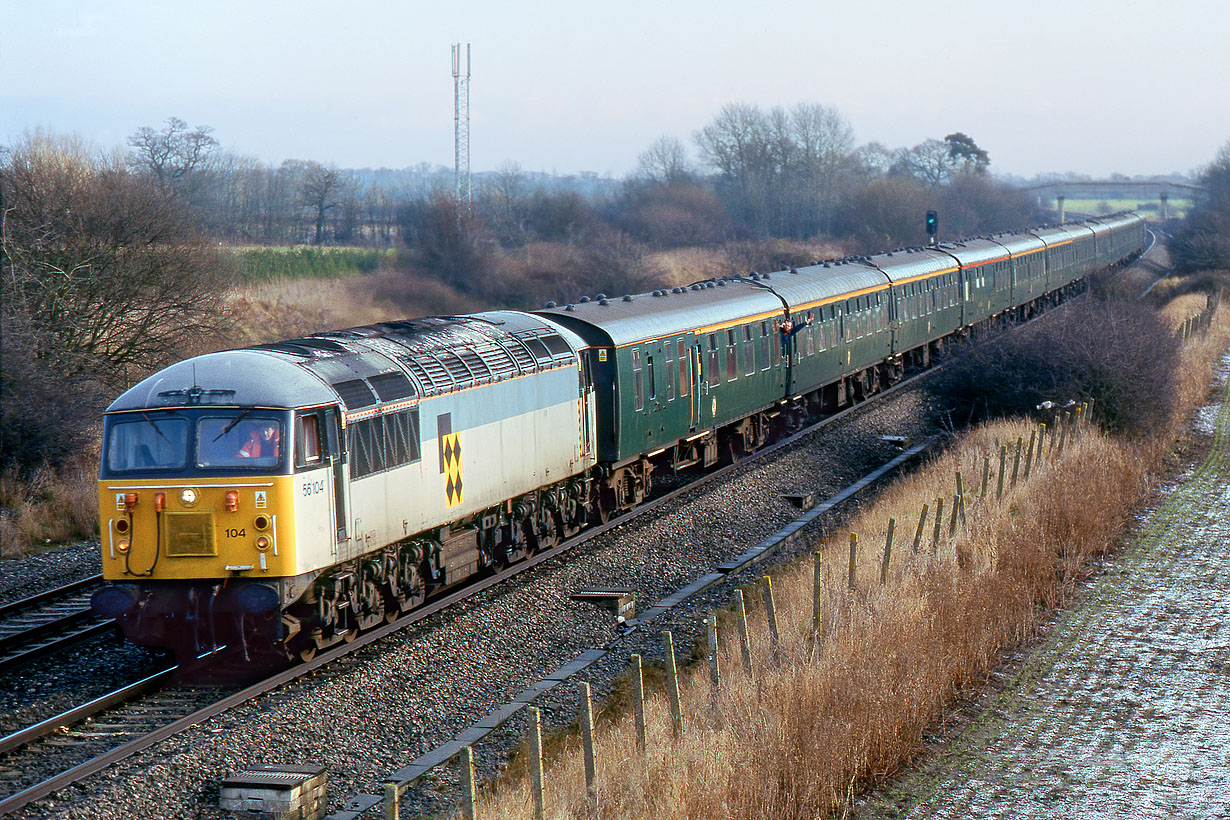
x=122, y=545
x=262, y=542
x=187, y=496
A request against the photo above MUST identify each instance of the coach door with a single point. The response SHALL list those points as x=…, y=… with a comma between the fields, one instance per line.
x=587, y=409
x=337, y=458
x=696, y=379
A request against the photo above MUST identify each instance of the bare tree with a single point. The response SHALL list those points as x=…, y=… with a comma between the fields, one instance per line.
x=664, y=162
x=102, y=274
x=824, y=141
x=505, y=197
x=736, y=145
x=930, y=162
x=175, y=156
x=319, y=186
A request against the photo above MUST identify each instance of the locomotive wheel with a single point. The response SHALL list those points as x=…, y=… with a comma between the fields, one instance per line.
x=306, y=653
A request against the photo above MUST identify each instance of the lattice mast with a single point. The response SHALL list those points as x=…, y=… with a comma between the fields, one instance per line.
x=461, y=128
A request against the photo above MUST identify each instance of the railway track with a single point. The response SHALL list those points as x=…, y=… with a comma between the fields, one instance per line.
x=86, y=739
x=34, y=627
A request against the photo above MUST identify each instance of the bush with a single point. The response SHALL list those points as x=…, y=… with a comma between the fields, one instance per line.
x=1118, y=353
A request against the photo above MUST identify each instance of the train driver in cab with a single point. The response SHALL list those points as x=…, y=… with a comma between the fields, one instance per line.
x=264, y=441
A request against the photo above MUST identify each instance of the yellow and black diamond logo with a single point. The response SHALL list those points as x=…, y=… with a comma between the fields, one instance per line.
x=450, y=451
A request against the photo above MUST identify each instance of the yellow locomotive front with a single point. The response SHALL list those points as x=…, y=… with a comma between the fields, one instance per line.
x=197, y=525
x=216, y=502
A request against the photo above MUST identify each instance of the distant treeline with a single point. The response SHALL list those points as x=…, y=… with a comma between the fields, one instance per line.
x=754, y=173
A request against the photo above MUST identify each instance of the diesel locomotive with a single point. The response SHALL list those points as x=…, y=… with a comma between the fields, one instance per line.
x=281, y=498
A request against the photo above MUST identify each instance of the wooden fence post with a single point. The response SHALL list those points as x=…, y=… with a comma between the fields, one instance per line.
x=638, y=705
x=714, y=672
x=888, y=551
x=537, y=791
x=986, y=474
x=1029, y=457
x=922, y=522
x=591, y=763
x=960, y=501
x=817, y=595
x=1003, y=465
x=1041, y=441
x=469, y=788
x=745, y=639
x=939, y=522
x=770, y=611
x=392, y=805
x=1063, y=435
x=1016, y=461
x=853, y=557
x=672, y=677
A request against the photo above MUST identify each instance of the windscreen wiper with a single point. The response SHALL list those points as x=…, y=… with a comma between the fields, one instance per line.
x=231, y=426
x=157, y=429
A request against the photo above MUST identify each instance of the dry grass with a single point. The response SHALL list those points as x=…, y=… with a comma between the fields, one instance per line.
x=824, y=718
x=298, y=307
x=50, y=507
x=682, y=266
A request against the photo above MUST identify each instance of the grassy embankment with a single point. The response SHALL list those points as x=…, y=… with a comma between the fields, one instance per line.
x=824, y=718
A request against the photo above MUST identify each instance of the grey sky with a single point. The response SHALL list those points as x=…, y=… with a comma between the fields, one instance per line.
x=565, y=85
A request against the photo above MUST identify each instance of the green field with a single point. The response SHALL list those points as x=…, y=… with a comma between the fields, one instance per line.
x=272, y=264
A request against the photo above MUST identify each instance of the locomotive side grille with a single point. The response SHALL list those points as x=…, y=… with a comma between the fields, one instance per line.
x=189, y=533
x=419, y=373
x=475, y=363
x=437, y=372
x=456, y=367
x=497, y=359
x=521, y=354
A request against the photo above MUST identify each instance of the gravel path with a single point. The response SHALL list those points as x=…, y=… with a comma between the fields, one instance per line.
x=368, y=716
x=1123, y=709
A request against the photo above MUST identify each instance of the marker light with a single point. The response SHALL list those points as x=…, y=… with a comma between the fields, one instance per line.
x=122, y=545
x=232, y=500
x=130, y=500
x=160, y=501
x=187, y=496
x=262, y=542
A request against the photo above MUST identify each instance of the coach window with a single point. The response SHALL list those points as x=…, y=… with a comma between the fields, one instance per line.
x=682, y=349
x=715, y=370
x=653, y=387
x=732, y=356
x=764, y=345
x=307, y=441
x=638, y=383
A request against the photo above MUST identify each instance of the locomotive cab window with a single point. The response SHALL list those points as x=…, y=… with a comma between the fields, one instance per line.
x=244, y=440
x=148, y=442
x=307, y=441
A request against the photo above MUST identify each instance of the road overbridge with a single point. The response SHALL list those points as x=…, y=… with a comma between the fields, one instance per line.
x=1160, y=190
